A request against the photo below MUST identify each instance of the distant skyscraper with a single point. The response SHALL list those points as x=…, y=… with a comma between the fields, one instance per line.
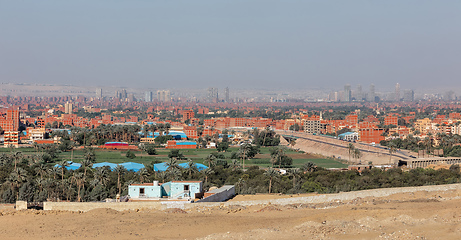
x=124, y=95
x=347, y=93
x=163, y=95
x=212, y=95
x=98, y=92
x=408, y=96
x=148, y=96
x=359, y=94
x=397, y=92
x=371, y=94
x=226, y=92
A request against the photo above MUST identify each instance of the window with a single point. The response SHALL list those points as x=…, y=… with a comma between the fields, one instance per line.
x=141, y=191
x=186, y=187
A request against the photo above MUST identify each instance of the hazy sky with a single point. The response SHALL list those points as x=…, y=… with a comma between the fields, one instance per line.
x=256, y=44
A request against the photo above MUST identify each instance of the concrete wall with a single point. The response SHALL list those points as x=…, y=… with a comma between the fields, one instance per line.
x=21, y=205
x=220, y=195
x=323, y=198
x=344, y=196
x=87, y=206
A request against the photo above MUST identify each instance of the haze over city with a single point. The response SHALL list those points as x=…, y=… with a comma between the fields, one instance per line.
x=269, y=45
x=157, y=119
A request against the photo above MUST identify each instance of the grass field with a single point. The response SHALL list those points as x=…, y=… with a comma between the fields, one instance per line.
x=197, y=155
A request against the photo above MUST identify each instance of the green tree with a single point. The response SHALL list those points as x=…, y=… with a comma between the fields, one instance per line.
x=150, y=149
x=271, y=173
x=351, y=149
x=130, y=154
x=211, y=160
x=120, y=170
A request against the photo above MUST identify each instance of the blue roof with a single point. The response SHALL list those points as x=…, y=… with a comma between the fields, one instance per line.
x=345, y=134
x=199, y=166
x=132, y=166
x=161, y=167
x=186, y=143
x=178, y=135
x=104, y=164
x=71, y=166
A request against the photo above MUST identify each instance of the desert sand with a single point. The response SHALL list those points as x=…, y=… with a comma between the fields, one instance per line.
x=418, y=215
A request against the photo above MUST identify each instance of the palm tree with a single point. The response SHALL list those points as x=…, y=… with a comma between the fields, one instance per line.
x=79, y=180
x=41, y=169
x=294, y=172
x=175, y=173
x=351, y=148
x=191, y=167
x=120, y=170
x=243, y=152
x=143, y=173
x=100, y=174
x=392, y=149
x=210, y=159
x=63, y=165
x=271, y=173
x=163, y=175
x=240, y=184
x=172, y=163
x=235, y=164
x=357, y=154
x=309, y=167
x=207, y=172
x=17, y=177
x=90, y=155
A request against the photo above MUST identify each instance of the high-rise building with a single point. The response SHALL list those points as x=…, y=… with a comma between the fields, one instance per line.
x=397, y=92
x=359, y=94
x=226, y=92
x=163, y=95
x=347, y=93
x=408, y=96
x=123, y=95
x=371, y=94
x=449, y=96
x=98, y=92
x=68, y=108
x=148, y=96
x=212, y=95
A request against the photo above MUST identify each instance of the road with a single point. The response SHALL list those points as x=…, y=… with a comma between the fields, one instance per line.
x=336, y=143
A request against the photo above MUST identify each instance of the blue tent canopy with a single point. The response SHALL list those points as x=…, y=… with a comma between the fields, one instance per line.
x=71, y=166
x=161, y=167
x=132, y=166
x=104, y=164
x=199, y=166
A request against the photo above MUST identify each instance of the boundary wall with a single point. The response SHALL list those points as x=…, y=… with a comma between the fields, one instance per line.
x=321, y=198
x=119, y=206
x=336, y=197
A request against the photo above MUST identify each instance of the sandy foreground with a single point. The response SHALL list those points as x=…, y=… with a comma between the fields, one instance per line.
x=419, y=215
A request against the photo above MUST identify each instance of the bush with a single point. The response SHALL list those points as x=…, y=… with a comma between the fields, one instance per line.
x=130, y=154
x=150, y=149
